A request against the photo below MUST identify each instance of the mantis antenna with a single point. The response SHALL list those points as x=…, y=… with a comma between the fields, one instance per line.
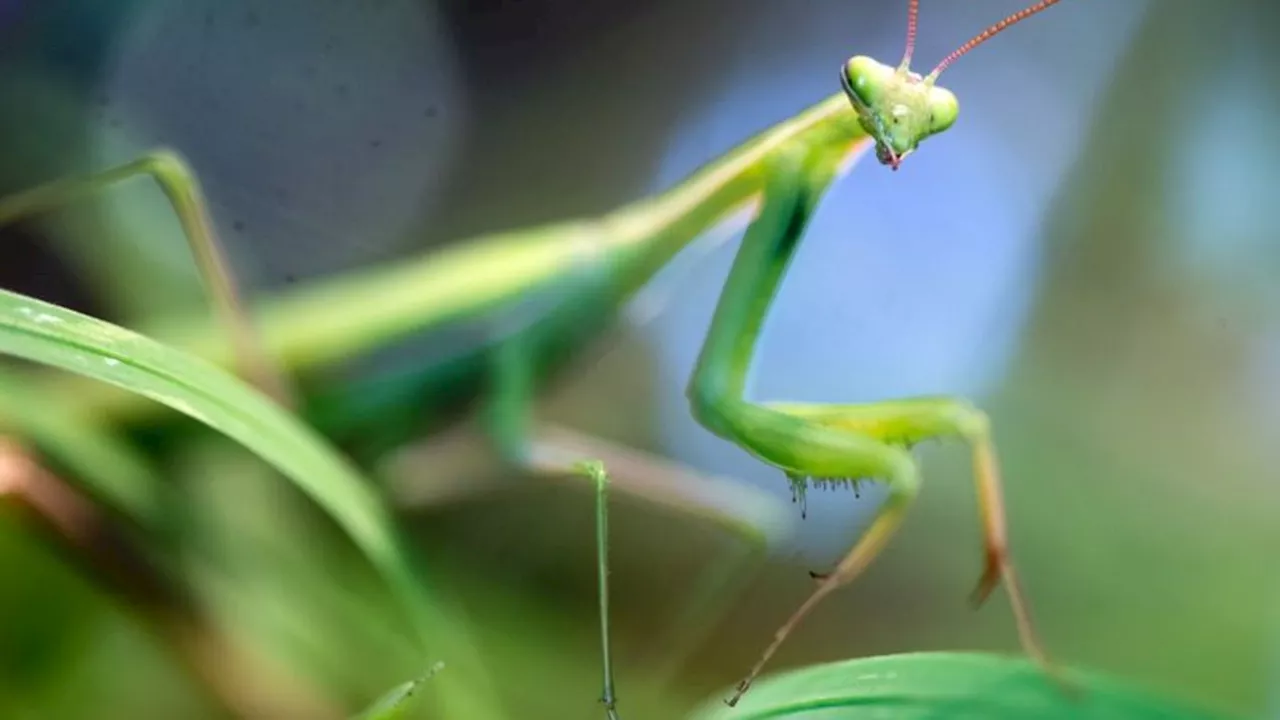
x=913, y=12
x=978, y=39
x=898, y=107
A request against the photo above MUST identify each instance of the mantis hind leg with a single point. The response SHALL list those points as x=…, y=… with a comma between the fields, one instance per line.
x=181, y=188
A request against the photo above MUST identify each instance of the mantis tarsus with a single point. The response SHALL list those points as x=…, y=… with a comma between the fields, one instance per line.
x=590, y=268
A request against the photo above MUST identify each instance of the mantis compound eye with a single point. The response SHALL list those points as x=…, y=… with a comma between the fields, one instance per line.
x=864, y=81
x=943, y=109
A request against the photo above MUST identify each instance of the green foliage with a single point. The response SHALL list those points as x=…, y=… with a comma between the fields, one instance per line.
x=51, y=335
x=957, y=686
x=55, y=336
x=398, y=699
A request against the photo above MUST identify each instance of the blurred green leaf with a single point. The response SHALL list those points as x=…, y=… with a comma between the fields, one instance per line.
x=61, y=338
x=392, y=706
x=80, y=344
x=943, y=685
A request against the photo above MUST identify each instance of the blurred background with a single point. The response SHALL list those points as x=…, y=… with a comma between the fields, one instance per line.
x=1087, y=254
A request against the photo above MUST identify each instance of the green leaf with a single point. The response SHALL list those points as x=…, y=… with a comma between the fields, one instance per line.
x=65, y=339
x=393, y=705
x=955, y=686
x=61, y=338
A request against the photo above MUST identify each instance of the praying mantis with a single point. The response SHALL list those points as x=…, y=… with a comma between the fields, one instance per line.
x=552, y=286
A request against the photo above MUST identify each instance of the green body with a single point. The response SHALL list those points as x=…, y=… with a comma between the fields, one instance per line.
x=553, y=286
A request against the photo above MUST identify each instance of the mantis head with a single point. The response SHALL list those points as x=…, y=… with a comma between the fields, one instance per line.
x=896, y=107
x=899, y=108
